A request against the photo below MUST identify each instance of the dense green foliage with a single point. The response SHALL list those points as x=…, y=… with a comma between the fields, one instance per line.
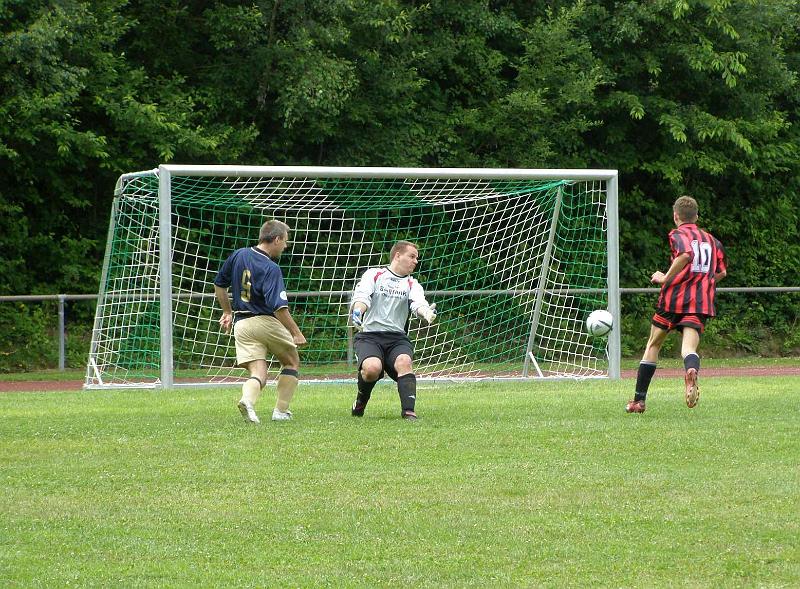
x=682, y=96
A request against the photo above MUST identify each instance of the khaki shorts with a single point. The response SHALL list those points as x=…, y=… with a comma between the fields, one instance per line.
x=258, y=336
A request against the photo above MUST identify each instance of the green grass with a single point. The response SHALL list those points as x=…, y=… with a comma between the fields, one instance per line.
x=498, y=485
x=709, y=362
x=69, y=374
x=73, y=374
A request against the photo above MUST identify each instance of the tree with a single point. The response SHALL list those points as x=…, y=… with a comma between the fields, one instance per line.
x=74, y=114
x=693, y=106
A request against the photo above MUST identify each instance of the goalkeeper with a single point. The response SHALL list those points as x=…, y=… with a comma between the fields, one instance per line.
x=383, y=301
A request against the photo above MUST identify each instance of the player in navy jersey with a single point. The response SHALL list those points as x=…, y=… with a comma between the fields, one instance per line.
x=383, y=301
x=260, y=318
x=686, y=300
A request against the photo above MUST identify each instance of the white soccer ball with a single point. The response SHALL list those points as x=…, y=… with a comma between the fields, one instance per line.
x=599, y=322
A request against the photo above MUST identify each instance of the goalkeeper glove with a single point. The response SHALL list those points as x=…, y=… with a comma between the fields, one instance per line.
x=357, y=317
x=428, y=313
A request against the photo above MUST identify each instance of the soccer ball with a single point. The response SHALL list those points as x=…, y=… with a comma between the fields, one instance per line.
x=599, y=322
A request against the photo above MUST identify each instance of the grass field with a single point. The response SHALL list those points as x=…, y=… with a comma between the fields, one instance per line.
x=498, y=485
x=74, y=374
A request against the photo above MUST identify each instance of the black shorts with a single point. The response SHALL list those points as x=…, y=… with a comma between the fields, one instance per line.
x=384, y=345
x=668, y=321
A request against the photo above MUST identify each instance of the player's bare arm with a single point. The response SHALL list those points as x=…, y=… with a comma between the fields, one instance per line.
x=226, y=321
x=288, y=322
x=357, y=314
x=678, y=264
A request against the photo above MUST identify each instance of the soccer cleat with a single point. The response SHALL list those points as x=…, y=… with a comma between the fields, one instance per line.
x=409, y=415
x=248, y=412
x=278, y=415
x=692, y=389
x=635, y=407
x=358, y=409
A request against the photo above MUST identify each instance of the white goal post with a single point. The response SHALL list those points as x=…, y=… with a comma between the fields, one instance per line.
x=515, y=259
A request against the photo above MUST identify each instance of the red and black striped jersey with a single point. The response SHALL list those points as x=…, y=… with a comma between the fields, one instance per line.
x=692, y=290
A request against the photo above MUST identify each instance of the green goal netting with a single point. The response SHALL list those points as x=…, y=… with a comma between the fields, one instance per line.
x=514, y=259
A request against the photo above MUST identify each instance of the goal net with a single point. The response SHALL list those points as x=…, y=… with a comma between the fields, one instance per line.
x=515, y=260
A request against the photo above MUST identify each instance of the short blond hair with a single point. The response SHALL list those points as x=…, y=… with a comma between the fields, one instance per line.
x=400, y=247
x=271, y=230
x=686, y=208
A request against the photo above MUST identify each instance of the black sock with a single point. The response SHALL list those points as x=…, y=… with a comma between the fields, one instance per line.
x=364, y=389
x=407, y=389
x=643, y=378
x=692, y=361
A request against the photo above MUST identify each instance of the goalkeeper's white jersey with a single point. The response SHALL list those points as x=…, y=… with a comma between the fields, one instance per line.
x=389, y=299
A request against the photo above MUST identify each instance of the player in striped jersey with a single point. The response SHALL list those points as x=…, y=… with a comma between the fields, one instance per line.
x=686, y=300
x=383, y=302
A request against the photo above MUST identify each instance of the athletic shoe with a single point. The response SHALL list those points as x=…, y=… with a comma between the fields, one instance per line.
x=634, y=406
x=692, y=389
x=278, y=415
x=409, y=415
x=248, y=412
x=358, y=408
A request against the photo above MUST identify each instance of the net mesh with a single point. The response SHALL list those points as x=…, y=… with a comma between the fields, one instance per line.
x=514, y=266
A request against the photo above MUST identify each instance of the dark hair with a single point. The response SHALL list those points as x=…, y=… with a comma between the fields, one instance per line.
x=400, y=247
x=271, y=230
x=686, y=208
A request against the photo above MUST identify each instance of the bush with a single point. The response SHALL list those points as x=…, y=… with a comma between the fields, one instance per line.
x=28, y=333
x=746, y=326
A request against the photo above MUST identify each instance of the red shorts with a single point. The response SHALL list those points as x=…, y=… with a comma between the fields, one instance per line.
x=669, y=321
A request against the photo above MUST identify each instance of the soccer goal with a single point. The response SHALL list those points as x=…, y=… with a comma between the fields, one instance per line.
x=515, y=261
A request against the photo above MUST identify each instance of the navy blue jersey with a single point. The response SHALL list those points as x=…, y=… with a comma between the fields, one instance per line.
x=256, y=283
